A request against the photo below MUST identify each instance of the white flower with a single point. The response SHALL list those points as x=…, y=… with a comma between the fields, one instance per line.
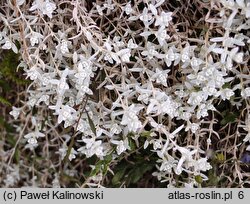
x=157, y=144
x=43, y=98
x=66, y=113
x=192, y=126
x=130, y=118
x=128, y=9
x=99, y=9
x=226, y=93
x=15, y=112
x=34, y=38
x=161, y=76
x=45, y=78
x=185, y=54
x=7, y=45
x=150, y=52
x=64, y=150
x=86, y=65
x=145, y=94
x=83, y=126
x=32, y=101
x=46, y=7
x=219, y=80
x=83, y=89
x=200, y=78
x=195, y=63
x=109, y=5
x=209, y=71
x=115, y=129
x=238, y=57
x=181, y=93
x=122, y=146
x=92, y=147
x=131, y=44
x=109, y=55
x=210, y=90
x=245, y=92
x=35, y=134
x=245, y=7
x=62, y=85
x=209, y=142
x=233, y=55
x=64, y=47
x=186, y=156
x=146, y=17
x=202, y=111
x=162, y=35
x=162, y=104
x=124, y=54
x=163, y=19
x=167, y=165
x=84, y=71
x=201, y=165
x=196, y=98
x=117, y=42
x=33, y=73
x=170, y=56
x=32, y=139
x=20, y=2
x=247, y=10
x=89, y=142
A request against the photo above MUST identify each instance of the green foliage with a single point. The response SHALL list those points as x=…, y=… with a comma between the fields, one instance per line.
x=131, y=170
x=3, y=124
x=8, y=68
x=198, y=179
x=131, y=173
x=4, y=101
x=102, y=165
x=10, y=81
x=228, y=117
x=91, y=124
x=219, y=158
x=124, y=171
x=145, y=134
x=8, y=75
x=214, y=177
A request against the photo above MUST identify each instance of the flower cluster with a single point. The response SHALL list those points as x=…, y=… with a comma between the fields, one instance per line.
x=101, y=73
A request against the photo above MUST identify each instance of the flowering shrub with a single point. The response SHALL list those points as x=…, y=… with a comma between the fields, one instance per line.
x=159, y=84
